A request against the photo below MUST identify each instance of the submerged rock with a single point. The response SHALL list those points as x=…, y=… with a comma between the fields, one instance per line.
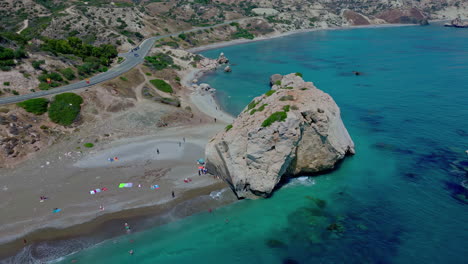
x=227, y=69
x=294, y=129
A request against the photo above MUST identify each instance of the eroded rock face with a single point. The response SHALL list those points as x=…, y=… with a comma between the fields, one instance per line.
x=404, y=16
x=307, y=137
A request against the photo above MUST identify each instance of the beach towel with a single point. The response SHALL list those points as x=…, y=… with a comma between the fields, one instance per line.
x=154, y=187
x=126, y=185
x=56, y=210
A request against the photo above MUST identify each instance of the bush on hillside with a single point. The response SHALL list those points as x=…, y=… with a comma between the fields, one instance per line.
x=162, y=85
x=160, y=61
x=36, y=106
x=277, y=116
x=65, y=108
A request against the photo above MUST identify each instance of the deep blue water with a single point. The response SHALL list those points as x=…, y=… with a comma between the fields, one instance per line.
x=398, y=200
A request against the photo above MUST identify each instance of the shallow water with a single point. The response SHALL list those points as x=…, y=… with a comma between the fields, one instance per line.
x=398, y=200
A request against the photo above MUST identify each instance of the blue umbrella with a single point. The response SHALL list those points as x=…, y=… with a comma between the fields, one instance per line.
x=201, y=161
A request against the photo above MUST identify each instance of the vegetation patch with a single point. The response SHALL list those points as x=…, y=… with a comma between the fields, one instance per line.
x=36, y=106
x=94, y=58
x=88, y=145
x=123, y=78
x=68, y=73
x=228, y=127
x=278, y=82
x=299, y=74
x=65, y=108
x=275, y=117
x=252, y=105
x=287, y=98
x=159, y=61
x=270, y=92
x=8, y=57
x=286, y=108
x=241, y=32
x=162, y=85
x=294, y=107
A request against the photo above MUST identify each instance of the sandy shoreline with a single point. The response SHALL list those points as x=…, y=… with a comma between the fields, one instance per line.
x=284, y=34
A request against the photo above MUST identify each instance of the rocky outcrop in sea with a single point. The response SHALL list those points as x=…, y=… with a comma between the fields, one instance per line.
x=293, y=129
x=458, y=23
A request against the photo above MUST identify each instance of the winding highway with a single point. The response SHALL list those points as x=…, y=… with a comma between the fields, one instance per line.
x=132, y=59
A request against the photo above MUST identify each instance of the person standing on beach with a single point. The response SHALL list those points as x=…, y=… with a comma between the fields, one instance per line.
x=173, y=194
x=183, y=139
x=157, y=151
x=215, y=119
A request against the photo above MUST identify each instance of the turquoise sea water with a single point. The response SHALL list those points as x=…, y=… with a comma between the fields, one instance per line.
x=398, y=200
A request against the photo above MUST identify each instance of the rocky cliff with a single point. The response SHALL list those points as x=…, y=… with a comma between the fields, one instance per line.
x=291, y=130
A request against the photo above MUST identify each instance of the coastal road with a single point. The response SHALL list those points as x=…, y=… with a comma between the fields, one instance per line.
x=132, y=59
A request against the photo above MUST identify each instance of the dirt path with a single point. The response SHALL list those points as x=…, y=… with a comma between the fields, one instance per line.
x=25, y=25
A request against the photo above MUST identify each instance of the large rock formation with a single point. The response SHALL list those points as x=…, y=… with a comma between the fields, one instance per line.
x=294, y=129
x=458, y=23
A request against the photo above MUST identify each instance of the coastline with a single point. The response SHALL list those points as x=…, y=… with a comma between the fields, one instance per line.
x=204, y=103
x=284, y=34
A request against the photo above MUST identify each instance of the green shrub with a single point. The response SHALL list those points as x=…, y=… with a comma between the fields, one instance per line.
x=277, y=116
x=270, y=92
x=148, y=73
x=37, y=64
x=294, y=107
x=177, y=78
x=160, y=61
x=288, y=88
x=162, y=85
x=36, y=106
x=68, y=73
x=253, y=111
x=183, y=36
x=44, y=86
x=261, y=108
x=252, y=105
x=228, y=127
x=299, y=74
x=88, y=145
x=14, y=92
x=123, y=78
x=65, y=108
x=287, y=98
x=6, y=83
x=286, y=108
x=278, y=82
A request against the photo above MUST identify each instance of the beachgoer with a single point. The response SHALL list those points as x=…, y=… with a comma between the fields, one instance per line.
x=199, y=172
x=184, y=140
x=25, y=242
x=209, y=210
x=215, y=119
x=157, y=151
x=101, y=208
x=173, y=194
x=131, y=252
